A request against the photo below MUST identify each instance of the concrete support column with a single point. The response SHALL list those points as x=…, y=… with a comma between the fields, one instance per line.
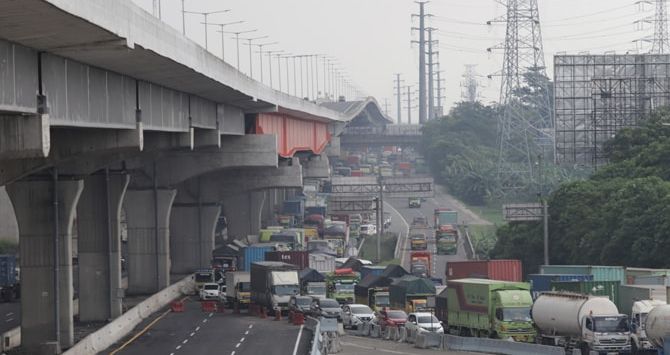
x=98, y=217
x=35, y=214
x=148, y=220
x=243, y=213
x=192, y=228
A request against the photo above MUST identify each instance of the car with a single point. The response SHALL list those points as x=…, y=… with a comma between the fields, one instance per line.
x=210, y=291
x=326, y=307
x=414, y=202
x=423, y=321
x=299, y=304
x=389, y=318
x=368, y=230
x=420, y=222
x=354, y=315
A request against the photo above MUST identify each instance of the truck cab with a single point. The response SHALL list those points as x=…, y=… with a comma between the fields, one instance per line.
x=315, y=289
x=379, y=298
x=606, y=333
x=638, y=317
x=204, y=276
x=341, y=284
x=512, y=315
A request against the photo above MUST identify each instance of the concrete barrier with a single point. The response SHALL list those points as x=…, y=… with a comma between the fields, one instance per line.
x=428, y=340
x=375, y=331
x=121, y=326
x=496, y=346
x=11, y=339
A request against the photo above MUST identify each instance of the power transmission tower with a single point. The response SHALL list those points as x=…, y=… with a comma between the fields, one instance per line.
x=439, y=108
x=526, y=118
x=422, y=59
x=431, y=75
x=661, y=42
x=398, y=88
x=470, y=84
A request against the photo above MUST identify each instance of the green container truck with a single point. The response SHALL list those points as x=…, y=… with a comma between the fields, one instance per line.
x=490, y=308
x=594, y=288
x=410, y=293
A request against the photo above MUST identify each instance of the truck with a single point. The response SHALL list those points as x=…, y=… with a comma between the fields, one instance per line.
x=657, y=326
x=340, y=285
x=337, y=234
x=273, y=283
x=420, y=264
x=639, y=341
x=10, y=288
x=414, y=202
x=419, y=223
x=418, y=241
x=446, y=239
x=581, y=322
x=410, y=293
x=203, y=276
x=489, y=309
x=238, y=286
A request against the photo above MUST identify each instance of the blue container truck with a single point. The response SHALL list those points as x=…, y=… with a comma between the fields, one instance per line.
x=252, y=254
x=9, y=284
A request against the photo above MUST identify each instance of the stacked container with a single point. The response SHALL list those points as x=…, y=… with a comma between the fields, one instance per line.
x=542, y=282
x=600, y=273
x=595, y=288
x=297, y=258
x=501, y=270
x=252, y=254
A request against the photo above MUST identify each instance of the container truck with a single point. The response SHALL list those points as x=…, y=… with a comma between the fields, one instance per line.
x=9, y=284
x=341, y=283
x=446, y=239
x=502, y=270
x=410, y=293
x=238, y=287
x=297, y=258
x=420, y=264
x=582, y=322
x=418, y=241
x=337, y=234
x=273, y=283
x=489, y=308
x=638, y=336
x=312, y=283
x=657, y=327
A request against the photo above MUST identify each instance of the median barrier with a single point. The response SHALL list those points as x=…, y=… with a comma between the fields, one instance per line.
x=375, y=331
x=364, y=329
x=402, y=334
x=392, y=333
x=11, y=339
x=496, y=346
x=114, y=331
x=428, y=340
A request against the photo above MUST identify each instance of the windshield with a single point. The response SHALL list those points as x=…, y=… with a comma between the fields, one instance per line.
x=203, y=277
x=361, y=310
x=427, y=319
x=397, y=314
x=303, y=301
x=211, y=287
x=329, y=304
x=344, y=288
x=286, y=290
x=316, y=290
x=245, y=286
x=610, y=324
x=382, y=300
x=521, y=314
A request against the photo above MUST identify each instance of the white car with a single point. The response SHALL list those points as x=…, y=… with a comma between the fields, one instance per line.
x=354, y=315
x=210, y=291
x=424, y=321
x=368, y=230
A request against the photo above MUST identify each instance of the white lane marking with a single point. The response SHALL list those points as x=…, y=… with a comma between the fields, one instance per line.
x=370, y=348
x=233, y=353
x=192, y=334
x=242, y=340
x=204, y=320
x=246, y=333
x=9, y=320
x=297, y=341
x=185, y=341
x=210, y=315
x=178, y=347
x=197, y=328
x=238, y=345
x=171, y=353
x=251, y=326
x=9, y=314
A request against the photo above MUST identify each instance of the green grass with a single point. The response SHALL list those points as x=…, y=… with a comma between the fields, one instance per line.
x=483, y=239
x=491, y=212
x=369, y=250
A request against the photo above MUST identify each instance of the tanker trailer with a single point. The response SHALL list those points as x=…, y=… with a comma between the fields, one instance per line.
x=576, y=321
x=657, y=326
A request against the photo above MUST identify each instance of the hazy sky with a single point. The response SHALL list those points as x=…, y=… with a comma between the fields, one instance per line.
x=371, y=38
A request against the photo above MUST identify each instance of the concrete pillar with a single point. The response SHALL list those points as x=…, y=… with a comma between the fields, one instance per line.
x=34, y=206
x=9, y=230
x=243, y=213
x=98, y=217
x=148, y=220
x=192, y=228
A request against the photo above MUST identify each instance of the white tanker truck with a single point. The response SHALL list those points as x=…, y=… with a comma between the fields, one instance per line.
x=576, y=321
x=640, y=344
x=657, y=327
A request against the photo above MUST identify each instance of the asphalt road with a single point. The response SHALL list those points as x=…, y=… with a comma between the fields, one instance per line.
x=197, y=332
x=428, y=206
x=355, y=345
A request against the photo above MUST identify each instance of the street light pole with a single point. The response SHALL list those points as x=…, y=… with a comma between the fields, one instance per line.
x=204, y=14
x=237, y=40
x=223, y=35
x=270, y=53
x=251, y=60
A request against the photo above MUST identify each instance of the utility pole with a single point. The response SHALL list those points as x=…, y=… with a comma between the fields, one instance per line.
x=409, y=104
x=422, y=60
x=380, y=215
x=157, y=9
x=386, y=106
x=431, y=78
x=440, y=98
x=398, y=97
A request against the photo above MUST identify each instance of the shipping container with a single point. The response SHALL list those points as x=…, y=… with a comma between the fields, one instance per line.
x=297, y=258
x=629, y=294
x=658, y=280
x=632, y=272
x=542, y=282
x=501, y=270
x=293, y=207
x=322, y=262
x=374, y=270
x=600, y=273
x=595, y=288
x=252, y=254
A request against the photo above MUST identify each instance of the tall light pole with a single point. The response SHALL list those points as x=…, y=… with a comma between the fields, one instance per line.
x=288, y=79
x=270, y=53
x=237, y=40
x=279, y=56
x=251, y=60
x=205, y=14
x=221, y=26
x=260, y=54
